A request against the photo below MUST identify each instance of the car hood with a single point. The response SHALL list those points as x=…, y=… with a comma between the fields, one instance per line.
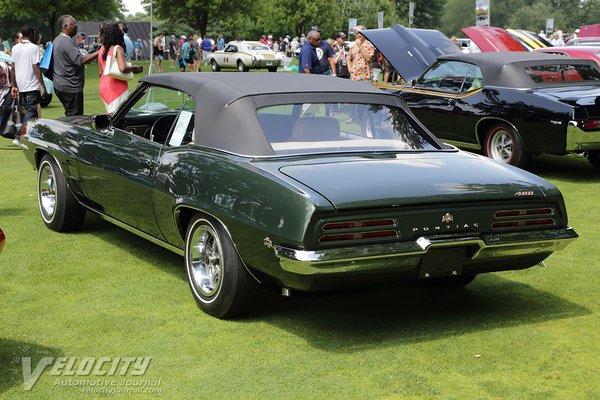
x=588, y=95
x=410, y=51
x=489, y=38
x=411, y=179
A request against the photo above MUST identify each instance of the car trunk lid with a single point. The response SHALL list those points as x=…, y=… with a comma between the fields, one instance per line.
x=410, y=179
x=585, y=99
x=489, y=38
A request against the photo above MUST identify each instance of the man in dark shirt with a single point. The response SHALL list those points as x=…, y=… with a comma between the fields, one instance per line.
x=68, y=63
x=308, y=61
x=326, y=55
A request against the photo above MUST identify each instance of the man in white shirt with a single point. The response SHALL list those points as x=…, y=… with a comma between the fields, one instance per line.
x=27, y=82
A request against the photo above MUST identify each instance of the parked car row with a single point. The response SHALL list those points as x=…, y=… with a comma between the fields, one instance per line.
x=507, y=105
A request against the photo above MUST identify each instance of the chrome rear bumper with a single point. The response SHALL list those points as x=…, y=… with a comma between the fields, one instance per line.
x=395, y=255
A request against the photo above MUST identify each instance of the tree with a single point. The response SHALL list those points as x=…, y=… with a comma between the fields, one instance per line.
x=48, y=11
x=427, y=13
x=366, y=13
x=296, y=17
x=199, y=13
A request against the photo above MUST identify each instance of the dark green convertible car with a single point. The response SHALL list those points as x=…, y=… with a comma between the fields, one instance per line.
x=297, y=182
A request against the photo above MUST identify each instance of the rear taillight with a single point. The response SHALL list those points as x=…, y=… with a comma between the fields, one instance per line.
x=524, y=218
x=591, y=124
x=360, y=230
x=24, y=129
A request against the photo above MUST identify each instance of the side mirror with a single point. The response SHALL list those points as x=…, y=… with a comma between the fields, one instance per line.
x=101, y=121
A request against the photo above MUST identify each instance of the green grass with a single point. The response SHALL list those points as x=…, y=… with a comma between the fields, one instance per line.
x=104, y=292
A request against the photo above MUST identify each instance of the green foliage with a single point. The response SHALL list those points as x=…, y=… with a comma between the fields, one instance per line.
x=427, y=13
x=366, y=13
x=48, y=11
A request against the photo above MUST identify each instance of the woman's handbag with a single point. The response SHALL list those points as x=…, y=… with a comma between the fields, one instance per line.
x=13, y=123
x=112, y=69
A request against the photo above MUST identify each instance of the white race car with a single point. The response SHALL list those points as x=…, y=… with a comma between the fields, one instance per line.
x=245, y=55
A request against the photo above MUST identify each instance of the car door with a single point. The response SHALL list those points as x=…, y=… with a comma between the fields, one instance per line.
x=433, y=97
x=229, y=58
x=117, y=165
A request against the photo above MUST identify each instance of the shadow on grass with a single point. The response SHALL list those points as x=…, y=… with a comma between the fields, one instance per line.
x=11, y=352
x=572, y=168
x=356, y=320
x=143, y=249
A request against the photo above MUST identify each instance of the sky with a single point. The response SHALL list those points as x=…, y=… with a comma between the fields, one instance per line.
x=133, y=6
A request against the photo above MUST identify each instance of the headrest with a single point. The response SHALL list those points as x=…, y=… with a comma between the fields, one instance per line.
x=316, y=129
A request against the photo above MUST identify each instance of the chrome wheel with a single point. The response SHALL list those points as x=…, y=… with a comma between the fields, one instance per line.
x=501, y=145
x=205, y=257
x=47, y=191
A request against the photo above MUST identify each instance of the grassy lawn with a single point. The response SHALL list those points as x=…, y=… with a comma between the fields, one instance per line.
x=103, y=292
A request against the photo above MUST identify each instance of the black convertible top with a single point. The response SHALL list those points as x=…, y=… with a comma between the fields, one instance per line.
x=226, y=102
x=226, y=87
x=506, y=68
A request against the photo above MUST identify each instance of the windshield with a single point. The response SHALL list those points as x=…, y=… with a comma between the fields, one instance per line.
x=562, y=73
x=340, y=127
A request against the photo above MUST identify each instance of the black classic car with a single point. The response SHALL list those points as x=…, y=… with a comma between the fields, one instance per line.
x=507, y=105
x=297, y=182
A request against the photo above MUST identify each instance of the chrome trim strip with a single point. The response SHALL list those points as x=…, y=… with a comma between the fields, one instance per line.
x=144, y=235
x=306, y=262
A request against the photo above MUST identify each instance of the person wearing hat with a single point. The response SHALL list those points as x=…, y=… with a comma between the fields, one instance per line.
x=361, y=54
x=137, y=49
x=340, y=50
x=326, y=55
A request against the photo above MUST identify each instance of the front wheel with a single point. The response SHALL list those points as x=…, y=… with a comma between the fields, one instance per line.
x=242, y=67
x=504, y=144
x=215, y=67
x=59, y=209
x=220, y=283
x=272, y=69
x=594, y=158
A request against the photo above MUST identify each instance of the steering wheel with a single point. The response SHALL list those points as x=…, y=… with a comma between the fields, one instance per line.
x=160, y=128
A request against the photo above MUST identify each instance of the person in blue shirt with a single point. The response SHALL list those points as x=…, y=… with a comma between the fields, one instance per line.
x=220, y=43
x=308, y=61
x=128, y=42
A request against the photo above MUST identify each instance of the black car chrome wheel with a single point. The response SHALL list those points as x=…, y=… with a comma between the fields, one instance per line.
x=504, y=144
x=58, y=207
x=220, y=283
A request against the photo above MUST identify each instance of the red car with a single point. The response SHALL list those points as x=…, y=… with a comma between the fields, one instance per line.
x=587, y=52
x=584, y=41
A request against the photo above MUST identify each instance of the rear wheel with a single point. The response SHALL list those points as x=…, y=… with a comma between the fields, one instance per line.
x=272, y=69
x=220, y=283
x=215, y=67
x=242, y=67
x=504, y=144
x=58, y=207
x=594, y=158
